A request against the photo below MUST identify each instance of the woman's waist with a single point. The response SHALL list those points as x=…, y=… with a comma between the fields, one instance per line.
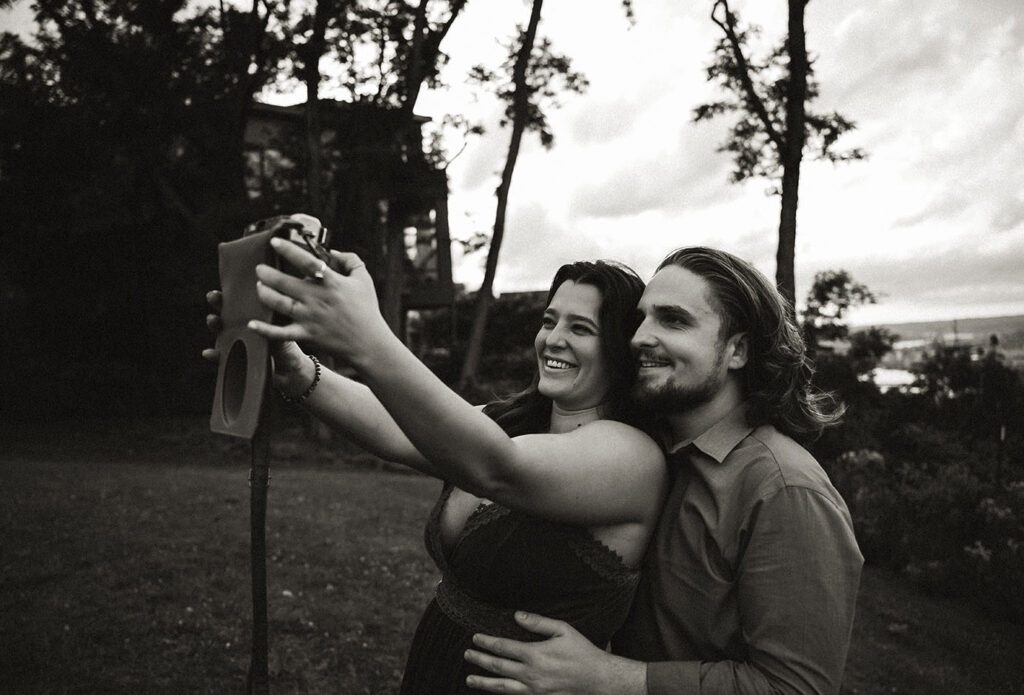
x=595, y=613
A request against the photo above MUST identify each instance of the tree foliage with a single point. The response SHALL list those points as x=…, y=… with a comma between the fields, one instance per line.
x=755, y=95
x=832, y=294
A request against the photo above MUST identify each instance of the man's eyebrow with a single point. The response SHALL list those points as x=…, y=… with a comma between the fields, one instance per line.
x=673, y=311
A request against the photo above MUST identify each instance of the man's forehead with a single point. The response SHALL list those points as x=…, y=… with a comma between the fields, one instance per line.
x=678, y=287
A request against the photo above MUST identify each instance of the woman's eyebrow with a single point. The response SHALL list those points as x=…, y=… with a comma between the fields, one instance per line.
x=571, y=317
x=581, y=317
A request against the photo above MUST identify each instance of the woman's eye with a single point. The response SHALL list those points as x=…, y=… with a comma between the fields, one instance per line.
x=547, y=322
x=583, y=330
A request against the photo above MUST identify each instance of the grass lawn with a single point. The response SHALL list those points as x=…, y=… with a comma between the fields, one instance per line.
x=124, y=569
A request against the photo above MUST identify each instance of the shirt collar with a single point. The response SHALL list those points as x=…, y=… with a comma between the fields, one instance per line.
x=722, y=437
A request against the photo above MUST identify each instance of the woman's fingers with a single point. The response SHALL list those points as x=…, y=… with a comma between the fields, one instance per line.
x=281, y=303
x=283, y=282
x=292, y=331
x=347, y=263
x=297, y=256
x=215, y=323
x=215, y=298
x=211, y=355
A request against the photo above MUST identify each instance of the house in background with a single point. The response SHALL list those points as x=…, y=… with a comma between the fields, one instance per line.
x=375, y=188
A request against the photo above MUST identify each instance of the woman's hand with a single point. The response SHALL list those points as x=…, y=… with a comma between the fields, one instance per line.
x=338, y=314
x=290, y=362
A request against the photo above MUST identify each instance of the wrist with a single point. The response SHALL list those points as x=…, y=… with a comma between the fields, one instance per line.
x=296, y=385
x=624, y=676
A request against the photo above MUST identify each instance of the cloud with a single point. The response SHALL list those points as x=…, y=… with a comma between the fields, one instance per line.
x=684, y=173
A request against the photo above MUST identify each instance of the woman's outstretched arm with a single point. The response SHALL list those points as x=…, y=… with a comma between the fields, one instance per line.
x=603, y=473
x=342, y=403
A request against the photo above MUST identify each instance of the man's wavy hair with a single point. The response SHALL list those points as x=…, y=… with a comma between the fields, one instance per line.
x=777, y=376
x=529, y=412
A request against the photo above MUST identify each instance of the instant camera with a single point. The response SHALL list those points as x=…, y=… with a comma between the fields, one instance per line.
x=243, y=372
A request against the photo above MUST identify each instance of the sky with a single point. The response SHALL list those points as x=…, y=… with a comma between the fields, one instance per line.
x=932, y=221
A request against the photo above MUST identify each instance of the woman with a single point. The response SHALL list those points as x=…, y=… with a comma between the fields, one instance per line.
x=549, y=498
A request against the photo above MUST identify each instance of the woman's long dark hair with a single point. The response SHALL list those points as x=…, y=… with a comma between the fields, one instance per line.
x=529, y=412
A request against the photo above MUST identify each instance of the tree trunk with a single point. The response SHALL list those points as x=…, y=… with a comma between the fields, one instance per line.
x=792, y=152
x=520, y=102
x=311, y=54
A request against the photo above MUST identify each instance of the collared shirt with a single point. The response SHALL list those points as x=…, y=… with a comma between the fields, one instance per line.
x=750, y=582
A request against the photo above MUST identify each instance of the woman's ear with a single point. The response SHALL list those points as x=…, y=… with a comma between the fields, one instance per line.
x=739, y=350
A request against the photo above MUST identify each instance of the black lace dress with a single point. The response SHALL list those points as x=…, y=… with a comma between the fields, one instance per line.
x=505, y=561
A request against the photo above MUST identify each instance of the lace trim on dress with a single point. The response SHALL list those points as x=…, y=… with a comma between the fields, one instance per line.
x=485, y=513
x=605, y=561
x=477, y=616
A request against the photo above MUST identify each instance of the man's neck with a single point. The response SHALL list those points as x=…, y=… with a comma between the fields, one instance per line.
x=690, y=424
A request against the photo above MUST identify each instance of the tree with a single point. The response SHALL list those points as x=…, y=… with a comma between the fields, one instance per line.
x=537, y=75
x=832, y=294
x=120, y=169
x=773, y=127
x=868, y=347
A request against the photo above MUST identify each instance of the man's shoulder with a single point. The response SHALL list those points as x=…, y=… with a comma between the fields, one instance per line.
x=772, y=461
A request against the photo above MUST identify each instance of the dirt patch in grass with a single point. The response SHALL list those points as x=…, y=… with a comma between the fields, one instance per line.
x=124, y=569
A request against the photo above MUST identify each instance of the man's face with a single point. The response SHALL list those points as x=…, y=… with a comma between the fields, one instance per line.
x=683, y=361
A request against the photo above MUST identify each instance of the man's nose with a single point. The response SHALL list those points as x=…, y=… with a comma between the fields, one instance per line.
x=643, y=337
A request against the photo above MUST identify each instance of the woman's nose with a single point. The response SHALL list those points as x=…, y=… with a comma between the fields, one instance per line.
x=556, y=337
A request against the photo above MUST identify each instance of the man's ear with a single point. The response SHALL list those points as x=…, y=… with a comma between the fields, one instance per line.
x=740, y=349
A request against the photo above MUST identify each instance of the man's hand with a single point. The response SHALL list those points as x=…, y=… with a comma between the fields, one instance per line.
x=565, y=663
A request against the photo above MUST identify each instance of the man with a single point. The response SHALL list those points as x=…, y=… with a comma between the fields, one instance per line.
x=750, y=582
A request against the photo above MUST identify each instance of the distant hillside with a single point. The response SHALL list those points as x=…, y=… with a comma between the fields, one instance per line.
x=1010, y=330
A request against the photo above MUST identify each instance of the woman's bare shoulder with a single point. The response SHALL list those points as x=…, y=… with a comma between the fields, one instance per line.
x=618, y=434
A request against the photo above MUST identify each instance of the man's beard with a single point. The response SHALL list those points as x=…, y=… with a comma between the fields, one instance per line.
x=674, y=398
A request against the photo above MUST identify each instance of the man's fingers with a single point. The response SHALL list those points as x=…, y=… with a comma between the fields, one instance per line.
x=495, y=685
x=215, y=298
x=214, y=323
x=495, y=664
x=508, y=648
x=541, y=625
x=211, y=355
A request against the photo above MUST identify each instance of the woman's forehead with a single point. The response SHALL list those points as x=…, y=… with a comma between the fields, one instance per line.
x=576, y=298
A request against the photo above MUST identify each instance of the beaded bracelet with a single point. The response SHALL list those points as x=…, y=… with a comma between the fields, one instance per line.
x=309, y=389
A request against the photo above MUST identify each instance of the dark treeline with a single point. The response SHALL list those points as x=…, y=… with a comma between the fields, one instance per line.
x=122, y=167
x=120, y=170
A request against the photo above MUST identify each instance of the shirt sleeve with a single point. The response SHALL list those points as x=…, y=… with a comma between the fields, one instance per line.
x=797, y=589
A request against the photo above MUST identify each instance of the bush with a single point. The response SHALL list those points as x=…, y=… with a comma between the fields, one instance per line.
x=936, y=521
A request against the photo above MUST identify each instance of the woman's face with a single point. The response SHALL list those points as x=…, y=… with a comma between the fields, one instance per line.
x=573, y=369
